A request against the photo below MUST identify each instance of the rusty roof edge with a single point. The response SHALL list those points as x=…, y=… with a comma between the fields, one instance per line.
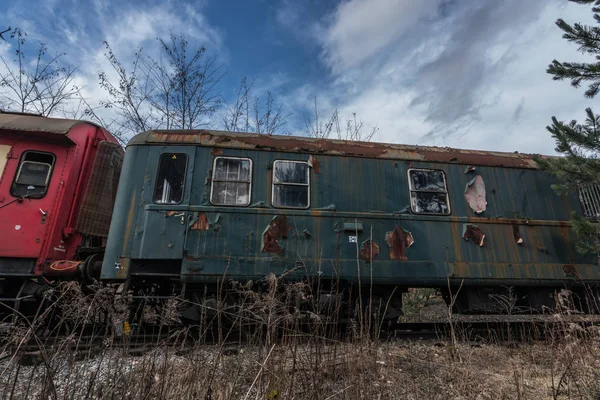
x=216, y=138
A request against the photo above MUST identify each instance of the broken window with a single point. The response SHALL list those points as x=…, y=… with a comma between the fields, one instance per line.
x=170, y=178
x=428, y=191
x=33, y=175
x=231, y=181
x=589, y=196
x=291, y=184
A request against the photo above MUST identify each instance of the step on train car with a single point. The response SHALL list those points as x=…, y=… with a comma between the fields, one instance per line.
x=199, y=208
x=58, y=183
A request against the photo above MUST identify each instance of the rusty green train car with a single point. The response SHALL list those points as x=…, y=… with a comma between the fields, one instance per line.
x=199, y=207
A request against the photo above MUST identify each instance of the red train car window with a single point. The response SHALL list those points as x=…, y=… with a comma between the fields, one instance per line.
x=170, y=179
x=33, y=175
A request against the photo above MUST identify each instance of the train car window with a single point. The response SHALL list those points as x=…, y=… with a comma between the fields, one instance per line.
x=33, y=175
x=428, y=192
x=589, y=196
x=291, y=184
x=170, y=179
x=231, y=181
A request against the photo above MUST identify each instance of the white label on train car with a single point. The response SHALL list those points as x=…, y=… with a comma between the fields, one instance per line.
x=352, y=239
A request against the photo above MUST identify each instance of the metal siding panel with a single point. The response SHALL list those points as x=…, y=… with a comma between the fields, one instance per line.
x=377, y=190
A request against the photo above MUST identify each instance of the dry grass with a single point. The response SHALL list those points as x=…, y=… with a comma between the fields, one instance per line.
x=279, y=361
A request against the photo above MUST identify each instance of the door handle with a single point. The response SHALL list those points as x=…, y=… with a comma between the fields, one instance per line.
x=182, y=215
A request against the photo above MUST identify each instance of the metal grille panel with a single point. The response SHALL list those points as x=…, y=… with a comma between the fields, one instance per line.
x=590, y=201
x=99, y=199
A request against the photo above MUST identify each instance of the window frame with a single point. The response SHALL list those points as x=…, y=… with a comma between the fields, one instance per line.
x=185, y=173
x=212, y=181
x=290, y=184
x=48, y=177
x=411, y=190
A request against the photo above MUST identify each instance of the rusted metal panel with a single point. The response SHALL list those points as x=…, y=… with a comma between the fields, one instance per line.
x=239, y=140
x=250, y=242
x=369, y=250
x=201, y=224
x=314, y=164
x=399, y=240
x=474, y=234
x=517, y=234
x=278, y=228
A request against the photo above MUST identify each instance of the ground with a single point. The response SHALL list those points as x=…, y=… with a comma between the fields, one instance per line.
x=564, y=367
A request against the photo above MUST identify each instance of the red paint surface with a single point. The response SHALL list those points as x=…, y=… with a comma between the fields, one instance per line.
x=23, y=231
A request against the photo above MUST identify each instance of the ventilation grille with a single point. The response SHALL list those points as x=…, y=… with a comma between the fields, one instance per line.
x=99, y=199
x=590, y=201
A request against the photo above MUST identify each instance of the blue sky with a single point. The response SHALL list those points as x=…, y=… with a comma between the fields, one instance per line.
x=458, y=73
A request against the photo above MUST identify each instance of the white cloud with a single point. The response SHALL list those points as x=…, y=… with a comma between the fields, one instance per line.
x=80, y=30
x=453, y=73
x=359, y=28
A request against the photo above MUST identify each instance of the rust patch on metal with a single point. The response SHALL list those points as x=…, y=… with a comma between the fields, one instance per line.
x=335, y=147
x=399, y=240
x=369, y=250
x=123, y=268
x=278, y=228
x=129, y=225
x=517, y=234
x=313, y=162
x=543, y=249
x=474, y=234
x=202, y=223
x=571, y=271
x=475, y=195
x=216, y=151
x=170, y=213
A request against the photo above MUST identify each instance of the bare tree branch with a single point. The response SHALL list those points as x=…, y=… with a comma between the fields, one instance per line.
x=42, y=86
x=248, y=114
x=353, y=129
x=175, y=91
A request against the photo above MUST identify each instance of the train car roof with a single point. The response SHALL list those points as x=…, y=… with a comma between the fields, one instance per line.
x=297, y=144
x=23, y=122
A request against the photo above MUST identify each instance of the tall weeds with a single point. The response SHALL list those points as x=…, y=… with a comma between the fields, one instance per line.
x=269, y=345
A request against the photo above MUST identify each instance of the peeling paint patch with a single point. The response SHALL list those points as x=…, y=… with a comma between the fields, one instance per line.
x=469, y=168
x=399, y=240
x=517, y=234
x=313, y=162
x=202, y=223
x=278, y=228
x=475, y=195
x=216, y=151
x=474, y=234
x=369, y=250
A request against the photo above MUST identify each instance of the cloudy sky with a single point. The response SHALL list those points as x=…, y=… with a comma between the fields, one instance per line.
x=459, y=73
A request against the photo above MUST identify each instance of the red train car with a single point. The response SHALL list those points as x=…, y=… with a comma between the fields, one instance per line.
x=58, y=182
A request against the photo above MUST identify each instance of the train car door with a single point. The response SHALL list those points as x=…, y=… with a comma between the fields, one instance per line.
x=166, y=216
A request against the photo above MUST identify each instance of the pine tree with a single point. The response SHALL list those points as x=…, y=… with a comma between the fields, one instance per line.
x=578, y=143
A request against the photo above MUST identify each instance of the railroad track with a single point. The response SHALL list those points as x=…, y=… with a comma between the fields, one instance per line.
x=470, y=330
